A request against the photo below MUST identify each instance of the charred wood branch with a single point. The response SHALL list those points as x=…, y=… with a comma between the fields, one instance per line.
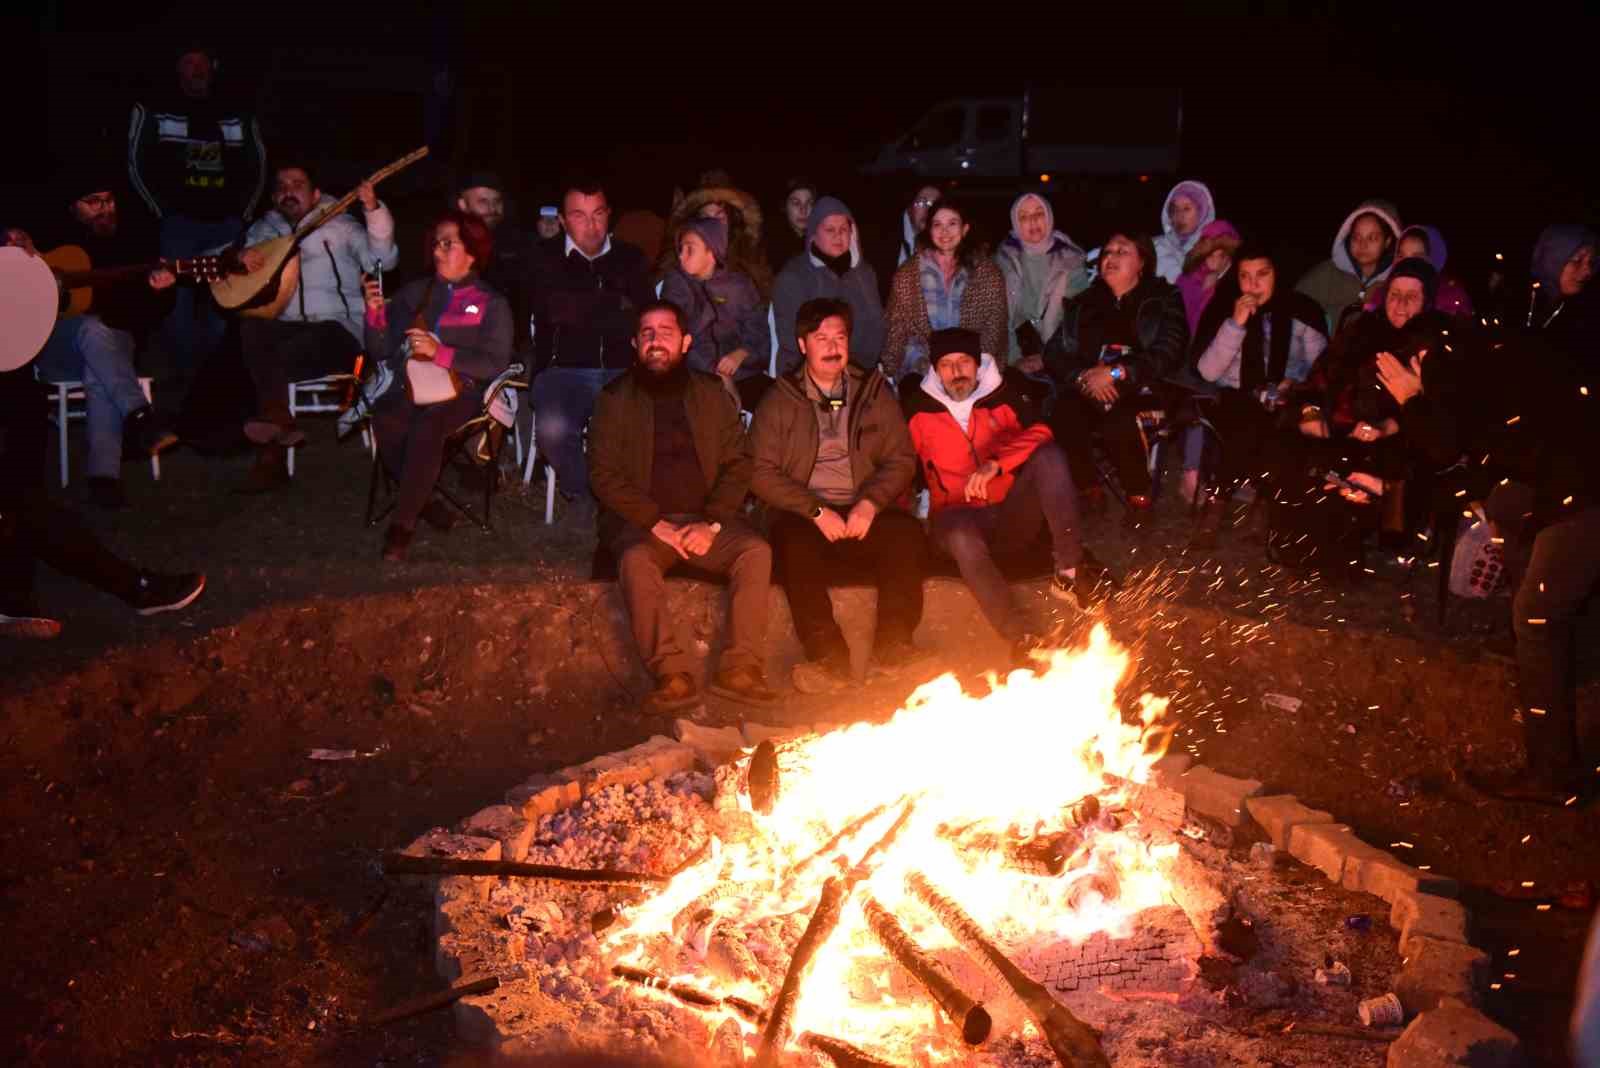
x=405, y=864
x=781, y=1022
x=842, y=1053
x=848, y=831
x=437, y=1000
x=962, y=1008
x=1074, y=1043
x=1103, y=883
x=688, y=993
x=763, y=777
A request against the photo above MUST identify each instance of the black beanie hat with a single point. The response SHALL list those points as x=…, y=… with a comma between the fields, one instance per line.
x=953, y=339
x=1423, y=271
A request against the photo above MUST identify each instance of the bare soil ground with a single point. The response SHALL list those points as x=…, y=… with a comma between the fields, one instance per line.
x=183, y=886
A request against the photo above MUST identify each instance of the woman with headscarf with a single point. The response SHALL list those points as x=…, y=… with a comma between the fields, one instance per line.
x=1427, y=243
x=1560, y=303
x=949, y=282
x=1043, y=269
x=1188, y=209
x=1208, y=262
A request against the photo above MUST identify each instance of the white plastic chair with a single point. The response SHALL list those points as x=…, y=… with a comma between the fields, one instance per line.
x=62, y=396
x=772, y=330
x=549, y=472
x=325, y=394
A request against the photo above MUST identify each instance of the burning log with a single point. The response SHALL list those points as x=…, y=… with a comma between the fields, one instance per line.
x=823, y=921
x=841, y=1052
x=849, y=830
x=971, y=1017
x=688, y=994
x=763, y=777
x=826, y=917
x=405, y=864
x=1074, y=1042
x=1103, y=883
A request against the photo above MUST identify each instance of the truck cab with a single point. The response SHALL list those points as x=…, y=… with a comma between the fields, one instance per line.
x=1077, y=132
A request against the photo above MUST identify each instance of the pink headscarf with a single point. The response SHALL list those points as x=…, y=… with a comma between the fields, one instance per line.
x=1192, y=283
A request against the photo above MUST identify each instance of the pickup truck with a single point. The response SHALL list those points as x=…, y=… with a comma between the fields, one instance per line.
x=1041, y=133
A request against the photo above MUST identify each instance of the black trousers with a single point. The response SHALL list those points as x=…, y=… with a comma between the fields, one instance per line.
x=277, y=353
x=1252, y=443
x=35, y=529
x=892, y=557
x=411, y=443
x=1076, y=421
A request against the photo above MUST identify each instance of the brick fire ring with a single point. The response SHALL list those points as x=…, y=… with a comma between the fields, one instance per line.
x=1439, y=985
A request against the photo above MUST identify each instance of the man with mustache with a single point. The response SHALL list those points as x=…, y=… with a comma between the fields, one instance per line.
x=98, y=348
x=319, y=331
x=833, y=462
x=995, y=478
x=670, y=474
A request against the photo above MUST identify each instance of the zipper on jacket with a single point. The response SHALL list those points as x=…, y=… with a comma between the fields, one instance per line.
x=338, y=283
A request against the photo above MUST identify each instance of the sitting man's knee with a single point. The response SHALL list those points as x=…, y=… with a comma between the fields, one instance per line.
x=96, y=336
x=964, y=540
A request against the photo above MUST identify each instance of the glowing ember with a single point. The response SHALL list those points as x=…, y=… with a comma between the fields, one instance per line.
x=989, y=791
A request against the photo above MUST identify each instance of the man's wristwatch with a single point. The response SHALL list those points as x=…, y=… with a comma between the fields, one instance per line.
x=1118, y=372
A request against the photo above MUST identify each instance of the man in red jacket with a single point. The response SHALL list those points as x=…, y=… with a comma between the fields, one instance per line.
x=994, y=475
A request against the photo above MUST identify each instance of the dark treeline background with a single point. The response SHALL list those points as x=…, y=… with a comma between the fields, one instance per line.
x=1480, y=127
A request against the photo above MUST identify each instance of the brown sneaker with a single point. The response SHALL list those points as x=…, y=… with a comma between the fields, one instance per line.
x=897, y=657
x=673, y=693
x=828, y=675
x=744, y=684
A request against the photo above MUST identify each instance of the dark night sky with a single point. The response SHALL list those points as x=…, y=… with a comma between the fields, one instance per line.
x=1479, y=127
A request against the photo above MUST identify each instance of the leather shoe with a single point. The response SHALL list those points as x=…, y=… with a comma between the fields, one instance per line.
x=743, y=684
x=673, y=693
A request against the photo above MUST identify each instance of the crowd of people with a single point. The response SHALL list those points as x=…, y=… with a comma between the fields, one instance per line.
x=769, y=401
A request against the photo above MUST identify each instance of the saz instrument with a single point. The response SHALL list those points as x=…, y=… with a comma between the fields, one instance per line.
x=236, y=290
x=79, y=276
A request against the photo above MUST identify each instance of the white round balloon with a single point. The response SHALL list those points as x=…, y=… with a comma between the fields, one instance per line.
x=28, y=300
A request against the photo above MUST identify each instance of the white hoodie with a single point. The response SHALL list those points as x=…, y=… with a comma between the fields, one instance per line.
x=1170, y=248
x=989, y=379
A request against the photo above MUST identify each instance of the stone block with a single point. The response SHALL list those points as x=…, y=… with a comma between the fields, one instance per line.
x=1387, y=877
x=1279, y=814
x=1217, y=796
x=1331, y=848
x=667, y=757
x=544, y=795
x=621, y=769
x=1436, y=970
x=1157, y=804
x=1205, y=899
x=454, y=955
x=507, y=825
x=756, y=733
x=1416, y=915
x=1454, y=1035
x=713, y=745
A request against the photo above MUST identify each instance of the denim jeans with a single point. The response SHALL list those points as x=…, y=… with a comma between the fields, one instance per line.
x=563, y=401
x=195, y=327
x=87, y=350
x=1043, y=493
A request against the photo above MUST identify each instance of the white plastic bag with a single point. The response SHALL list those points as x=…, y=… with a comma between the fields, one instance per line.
x=1477, y=567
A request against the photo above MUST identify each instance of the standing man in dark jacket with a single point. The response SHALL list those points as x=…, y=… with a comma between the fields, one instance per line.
x=995, y=477
x=832, y=458
x=483, y=194
x=585, y=297
x=1118, y=340
x=200, y=166
x=670, y=473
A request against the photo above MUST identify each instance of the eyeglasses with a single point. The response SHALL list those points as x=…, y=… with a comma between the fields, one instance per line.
x=924, y=203
x=98, y=200
x=446, y=243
